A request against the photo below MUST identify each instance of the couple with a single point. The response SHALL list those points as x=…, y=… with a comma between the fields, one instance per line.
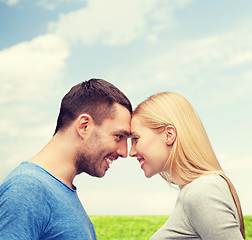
x=39, y=201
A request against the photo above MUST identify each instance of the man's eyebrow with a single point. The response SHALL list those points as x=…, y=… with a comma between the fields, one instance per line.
x=122, y=132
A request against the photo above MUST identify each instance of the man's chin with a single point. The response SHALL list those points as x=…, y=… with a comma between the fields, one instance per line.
x=97, y=174
x=100, y=175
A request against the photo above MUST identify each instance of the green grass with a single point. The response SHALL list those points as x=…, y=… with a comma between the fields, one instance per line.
x=126, y=227
x=248, y=227
x=138, y=227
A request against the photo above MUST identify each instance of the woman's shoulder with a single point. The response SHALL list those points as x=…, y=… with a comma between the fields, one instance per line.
x=206, y=181
x=205, y=188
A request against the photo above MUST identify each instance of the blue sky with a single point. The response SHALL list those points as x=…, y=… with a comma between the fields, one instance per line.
x=200, y=49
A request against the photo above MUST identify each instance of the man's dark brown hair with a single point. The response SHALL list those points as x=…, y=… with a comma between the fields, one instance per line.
x=95, y=97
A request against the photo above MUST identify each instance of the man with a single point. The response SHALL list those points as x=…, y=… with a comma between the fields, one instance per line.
x=38, y=199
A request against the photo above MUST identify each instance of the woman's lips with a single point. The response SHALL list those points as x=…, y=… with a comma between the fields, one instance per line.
x=142, y=162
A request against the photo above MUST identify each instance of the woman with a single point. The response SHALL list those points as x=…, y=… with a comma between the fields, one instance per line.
x=168, y=138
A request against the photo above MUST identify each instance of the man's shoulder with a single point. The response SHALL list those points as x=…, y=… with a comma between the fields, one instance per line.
x=24, y=179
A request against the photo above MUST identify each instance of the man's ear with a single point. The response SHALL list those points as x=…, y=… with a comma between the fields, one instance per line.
x=83, y=123
x=170, y=134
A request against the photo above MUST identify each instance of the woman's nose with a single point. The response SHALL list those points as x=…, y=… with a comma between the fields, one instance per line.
x=132, y=152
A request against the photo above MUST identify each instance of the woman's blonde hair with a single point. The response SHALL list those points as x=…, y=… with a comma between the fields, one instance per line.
x=192, y=155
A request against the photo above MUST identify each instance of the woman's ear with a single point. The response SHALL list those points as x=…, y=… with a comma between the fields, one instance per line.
x=170, y=134
x=83, y=123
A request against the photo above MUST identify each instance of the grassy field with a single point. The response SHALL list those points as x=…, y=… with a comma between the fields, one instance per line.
x=138, y=227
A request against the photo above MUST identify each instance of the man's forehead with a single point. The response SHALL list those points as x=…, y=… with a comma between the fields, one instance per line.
x=120, y=124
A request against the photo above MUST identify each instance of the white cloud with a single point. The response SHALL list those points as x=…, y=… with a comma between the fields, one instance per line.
x=231, y=163
x=29, y=67
x=213, y=53
x=221, y=60
x=239, y=57
x=238, y=169
x=47, y=4
x=126, y=202
x=28, y=74
x=10, y=2
x=116, y=22
x=52, y=4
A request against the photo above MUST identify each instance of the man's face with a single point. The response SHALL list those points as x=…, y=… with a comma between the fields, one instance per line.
x=106, y=143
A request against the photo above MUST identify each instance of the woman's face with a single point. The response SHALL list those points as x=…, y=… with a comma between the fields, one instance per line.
x=150, y=147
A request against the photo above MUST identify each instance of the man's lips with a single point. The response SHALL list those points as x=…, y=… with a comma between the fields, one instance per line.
x=108, y=162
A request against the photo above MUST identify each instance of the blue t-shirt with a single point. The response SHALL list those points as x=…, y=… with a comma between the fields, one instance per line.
x=36, y=205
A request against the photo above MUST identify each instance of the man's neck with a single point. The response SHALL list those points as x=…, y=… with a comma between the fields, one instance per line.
x=57, y=159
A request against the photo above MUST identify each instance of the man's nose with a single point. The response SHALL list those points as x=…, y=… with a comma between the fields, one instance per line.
x=123, y=149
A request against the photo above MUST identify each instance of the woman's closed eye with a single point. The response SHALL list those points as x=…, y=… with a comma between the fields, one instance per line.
x=134, y=139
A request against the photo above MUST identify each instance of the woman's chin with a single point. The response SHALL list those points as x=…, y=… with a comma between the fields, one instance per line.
x=148, y=175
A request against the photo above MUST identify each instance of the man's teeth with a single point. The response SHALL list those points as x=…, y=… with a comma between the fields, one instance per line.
x=108, y=160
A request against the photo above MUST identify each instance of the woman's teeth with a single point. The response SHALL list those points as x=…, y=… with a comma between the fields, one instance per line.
x=141, y=162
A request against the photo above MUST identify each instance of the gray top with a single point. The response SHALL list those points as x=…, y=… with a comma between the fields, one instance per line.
x=204, y=210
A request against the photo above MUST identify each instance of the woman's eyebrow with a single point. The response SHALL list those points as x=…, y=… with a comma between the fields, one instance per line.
x=133, y=134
